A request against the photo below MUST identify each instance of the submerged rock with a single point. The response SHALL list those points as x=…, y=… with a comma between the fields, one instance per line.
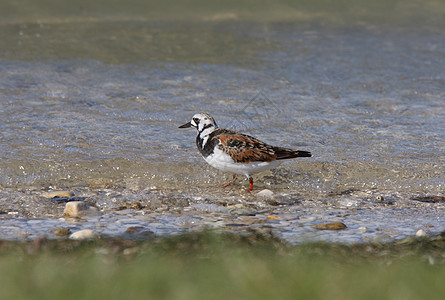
x=137, y=206
x=242, y=210
x=139, y=232
x=363, y=229
x=330, y=226
x=84, y=234
x=61, y=232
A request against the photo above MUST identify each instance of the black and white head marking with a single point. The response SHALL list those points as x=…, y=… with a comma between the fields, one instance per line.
x=205, y=125
x=203, y=121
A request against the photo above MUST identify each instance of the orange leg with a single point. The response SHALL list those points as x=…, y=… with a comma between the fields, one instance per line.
x=250, y=184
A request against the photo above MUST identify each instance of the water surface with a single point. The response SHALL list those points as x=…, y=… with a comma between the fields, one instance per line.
x=91, y=96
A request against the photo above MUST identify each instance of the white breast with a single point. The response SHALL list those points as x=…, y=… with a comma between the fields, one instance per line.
x=224, y=162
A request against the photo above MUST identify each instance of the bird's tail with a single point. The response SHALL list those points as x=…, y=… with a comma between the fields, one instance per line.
x=284, y=153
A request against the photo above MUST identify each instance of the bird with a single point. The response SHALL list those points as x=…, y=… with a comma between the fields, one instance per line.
x=230, y=151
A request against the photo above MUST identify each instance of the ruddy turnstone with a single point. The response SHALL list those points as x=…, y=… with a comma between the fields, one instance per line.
x=230, y=151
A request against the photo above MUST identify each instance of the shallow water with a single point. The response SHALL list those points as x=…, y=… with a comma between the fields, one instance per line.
x=90, y=101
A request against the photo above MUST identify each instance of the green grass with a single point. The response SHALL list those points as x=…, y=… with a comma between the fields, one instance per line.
x=221, y=266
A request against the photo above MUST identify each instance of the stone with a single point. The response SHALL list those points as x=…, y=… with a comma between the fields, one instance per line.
x=126, y=205
x=240, y=209
x=139, y=232
x=84, y=234
x=134, y=229
x=130, y=251
x=362, y=229
x=379, y=198
x=420, y=233
x=265, y=194
x=61, y=232
x=57, y=194
x=75, y=209
x=330, y=226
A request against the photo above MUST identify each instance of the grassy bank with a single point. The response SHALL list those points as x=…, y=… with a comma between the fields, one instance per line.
x=221, y=266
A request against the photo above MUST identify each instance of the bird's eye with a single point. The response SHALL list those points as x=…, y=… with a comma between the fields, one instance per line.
x=196, y=120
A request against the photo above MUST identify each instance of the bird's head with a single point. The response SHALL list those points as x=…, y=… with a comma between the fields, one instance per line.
x=201, y=122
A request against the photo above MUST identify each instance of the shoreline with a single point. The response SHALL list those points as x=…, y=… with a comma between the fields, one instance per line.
x=350, y=217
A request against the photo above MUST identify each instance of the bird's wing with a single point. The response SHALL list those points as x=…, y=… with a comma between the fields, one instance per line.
x=245, y=149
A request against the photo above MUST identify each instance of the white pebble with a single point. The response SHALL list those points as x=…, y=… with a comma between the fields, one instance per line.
x=420, y=233
x=265, y=193
x=84, y=234
x=362, y=229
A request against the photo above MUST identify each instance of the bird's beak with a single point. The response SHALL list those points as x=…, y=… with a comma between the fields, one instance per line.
x=186, y=125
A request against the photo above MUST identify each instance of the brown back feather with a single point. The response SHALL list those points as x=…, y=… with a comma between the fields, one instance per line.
x=244, y=148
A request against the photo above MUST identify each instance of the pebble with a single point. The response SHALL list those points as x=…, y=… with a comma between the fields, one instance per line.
x=379, y=198
x=61, y=232
x=330, y=226
x=75, y=209
x=362, y=229
x=265, y=194
x=57, y=194
x=420, y=233
x=84, y=234
x=139, y=232
x=239, y=209
x=130, y=251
